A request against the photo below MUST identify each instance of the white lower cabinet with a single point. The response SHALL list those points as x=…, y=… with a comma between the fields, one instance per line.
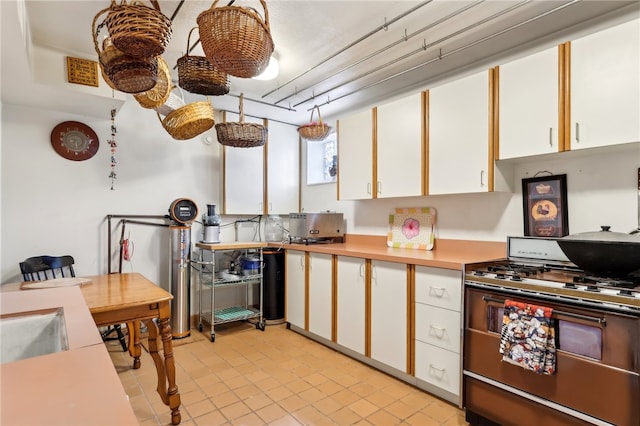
x=351, y=303
x=320, y=276
x=389, y=313
x=295, y=291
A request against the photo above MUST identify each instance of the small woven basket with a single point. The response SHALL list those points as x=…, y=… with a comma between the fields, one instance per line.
x=241, y=134
x=172, y=103
x=120, y=71
x=197, y=75
x=314, y=130
x=138, y=30
x=235, y=39
x=189, y=121
x=160, y=92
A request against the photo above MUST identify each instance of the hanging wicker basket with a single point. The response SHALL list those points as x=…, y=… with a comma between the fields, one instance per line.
x=120, y=71
x=172, y=103
x=314, y=130
x=138, y=30
x=197, y=75
x=235, y=39
x=241, y=134
x=189, y=121
x=160, y=92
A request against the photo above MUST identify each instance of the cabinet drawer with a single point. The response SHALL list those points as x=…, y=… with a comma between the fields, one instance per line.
x=439, y=287
x=437, y=326
x=438, y=366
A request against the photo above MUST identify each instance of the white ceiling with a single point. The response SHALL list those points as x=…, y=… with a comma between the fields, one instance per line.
x=321, y=60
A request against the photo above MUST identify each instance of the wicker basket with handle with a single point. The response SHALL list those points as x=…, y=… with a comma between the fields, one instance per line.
x=314, y=130
x=241, y=134
x=120, y=71
x=188, y=121
x=172, y=103
x=158, y=94
x=138, y=30
x=197, y=75
x=235, y=39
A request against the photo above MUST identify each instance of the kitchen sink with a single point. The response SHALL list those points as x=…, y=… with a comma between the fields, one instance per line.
x=31, y=334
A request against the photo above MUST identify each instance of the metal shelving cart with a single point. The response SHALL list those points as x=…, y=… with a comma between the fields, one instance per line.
x=214, y=282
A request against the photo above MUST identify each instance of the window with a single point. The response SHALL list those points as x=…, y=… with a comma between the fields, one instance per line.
x=322, y=160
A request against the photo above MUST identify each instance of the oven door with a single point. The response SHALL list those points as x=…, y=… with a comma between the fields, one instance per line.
x=596, y=379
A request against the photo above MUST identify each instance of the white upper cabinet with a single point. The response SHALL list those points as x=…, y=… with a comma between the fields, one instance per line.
x=400, y=147
x=355, y=156
x=459, y=136
x=528, y=104
x=243, y=175
x=605, y=87
x=283, y=169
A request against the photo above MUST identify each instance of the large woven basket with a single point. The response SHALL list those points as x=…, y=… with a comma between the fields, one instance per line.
x=120, y=71
x=235, y=39
x=197, y=75
x=241, y=134
x=138, y=30
x=159, y=93
x=189, y=121
x=314, y=130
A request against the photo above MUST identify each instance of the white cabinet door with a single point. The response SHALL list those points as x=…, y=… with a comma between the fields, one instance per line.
x=283, y=169
x=320, y=299
x=459, y=136
x=355, y=156
x=439, y=287
x=295, y=287
x=400, y=147
x=528, y=105
x=243, y=176
x=605, y=87
x=389, y=313
x=351, y=303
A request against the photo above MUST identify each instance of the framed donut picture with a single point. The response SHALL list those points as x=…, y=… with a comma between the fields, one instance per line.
x=544, y=202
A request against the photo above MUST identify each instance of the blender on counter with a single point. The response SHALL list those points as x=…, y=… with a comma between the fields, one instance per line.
x=211, y=225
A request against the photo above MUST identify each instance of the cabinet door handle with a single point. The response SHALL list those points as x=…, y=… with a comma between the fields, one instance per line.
x=481, y=178
x=270, y=207
x=379, y=188
x=438, y=331
x=302, y=262
x=437, y=291
x=550, y=136
x=361, y=270
x=577, y=132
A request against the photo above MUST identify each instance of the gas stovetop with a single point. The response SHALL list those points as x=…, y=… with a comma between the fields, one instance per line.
x=538, y=267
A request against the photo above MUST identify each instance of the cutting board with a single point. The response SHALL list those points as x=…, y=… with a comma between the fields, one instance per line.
x=412, y=227
x=55, y=282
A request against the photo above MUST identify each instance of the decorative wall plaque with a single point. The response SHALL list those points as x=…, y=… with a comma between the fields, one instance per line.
x=82, y=71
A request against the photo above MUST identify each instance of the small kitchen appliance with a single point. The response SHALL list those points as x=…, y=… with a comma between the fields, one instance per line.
x=211, y=226
x=316, y=227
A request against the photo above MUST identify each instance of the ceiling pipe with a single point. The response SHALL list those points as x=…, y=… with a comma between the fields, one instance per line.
x=385, y=26
x=423, y=48
x=384, y=49
x=442, y=56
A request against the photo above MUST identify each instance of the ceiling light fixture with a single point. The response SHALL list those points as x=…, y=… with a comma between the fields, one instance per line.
x=272, y=70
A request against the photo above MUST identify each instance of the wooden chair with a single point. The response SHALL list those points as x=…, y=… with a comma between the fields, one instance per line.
x=39, y=268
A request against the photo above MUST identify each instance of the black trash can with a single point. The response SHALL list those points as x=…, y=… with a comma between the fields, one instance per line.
x=273, y=284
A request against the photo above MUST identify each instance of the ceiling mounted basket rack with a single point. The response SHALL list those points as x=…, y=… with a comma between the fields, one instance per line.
x=137, y=29
x=189, y=121
x=314, y=130
x=241, y=134
x=158, y=95
x=197, y=75
x=235, y=39
x=120, y=71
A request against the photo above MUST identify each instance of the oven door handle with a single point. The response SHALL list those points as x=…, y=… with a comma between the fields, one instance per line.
x=601, y=321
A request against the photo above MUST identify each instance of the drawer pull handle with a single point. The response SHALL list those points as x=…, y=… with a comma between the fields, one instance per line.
x=437, y=291
x=438, y=331
x=440, y=371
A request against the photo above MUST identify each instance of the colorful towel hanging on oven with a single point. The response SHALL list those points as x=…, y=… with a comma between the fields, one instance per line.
x=528, y=337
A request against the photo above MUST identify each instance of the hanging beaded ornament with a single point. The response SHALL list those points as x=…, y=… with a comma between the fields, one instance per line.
x=113, y=145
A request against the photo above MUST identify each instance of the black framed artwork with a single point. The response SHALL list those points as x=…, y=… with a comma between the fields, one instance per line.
x=545, y=206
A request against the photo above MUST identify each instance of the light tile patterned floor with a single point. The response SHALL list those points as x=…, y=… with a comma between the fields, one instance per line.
x=275, y=377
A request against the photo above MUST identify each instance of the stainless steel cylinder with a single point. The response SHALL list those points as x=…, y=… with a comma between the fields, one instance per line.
x=180, y=270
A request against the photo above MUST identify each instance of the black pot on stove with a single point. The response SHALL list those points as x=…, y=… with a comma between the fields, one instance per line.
x=603, y=253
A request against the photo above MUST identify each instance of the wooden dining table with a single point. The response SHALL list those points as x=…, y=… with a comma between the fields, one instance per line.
x=131, y=298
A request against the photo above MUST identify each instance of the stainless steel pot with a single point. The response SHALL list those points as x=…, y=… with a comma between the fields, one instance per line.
x=603, y=253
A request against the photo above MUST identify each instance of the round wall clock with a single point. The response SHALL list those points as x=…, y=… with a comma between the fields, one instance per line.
x=74, y=140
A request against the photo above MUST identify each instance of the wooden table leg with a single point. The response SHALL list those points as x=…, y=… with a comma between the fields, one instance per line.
x=166, y=370
x=134, y=342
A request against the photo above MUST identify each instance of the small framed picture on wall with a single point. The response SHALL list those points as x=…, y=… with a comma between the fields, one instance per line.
x=545, y=206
